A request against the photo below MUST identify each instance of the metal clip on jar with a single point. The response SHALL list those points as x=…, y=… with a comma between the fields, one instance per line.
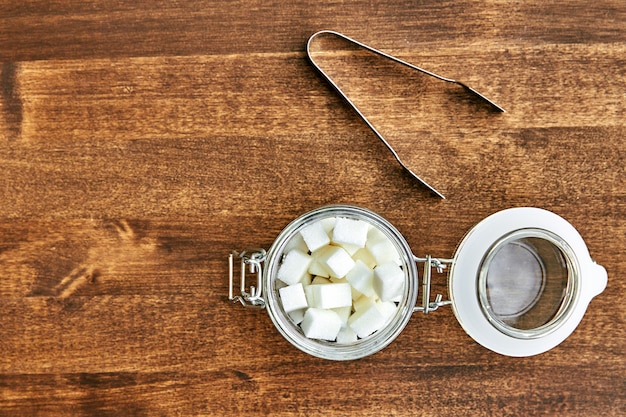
x=519, y=282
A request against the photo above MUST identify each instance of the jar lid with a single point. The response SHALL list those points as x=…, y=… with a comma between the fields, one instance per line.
x=521, y=281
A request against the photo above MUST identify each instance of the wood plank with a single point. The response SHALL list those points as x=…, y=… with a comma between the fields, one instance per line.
x=67, y=29
x=455, y=389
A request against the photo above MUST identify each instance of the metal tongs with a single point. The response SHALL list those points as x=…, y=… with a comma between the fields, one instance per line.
x=467, y=88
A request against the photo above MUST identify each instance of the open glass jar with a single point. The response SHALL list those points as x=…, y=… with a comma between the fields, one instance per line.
x=519, y=282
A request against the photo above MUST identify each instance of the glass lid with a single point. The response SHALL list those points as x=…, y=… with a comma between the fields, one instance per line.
x=527, y=282
x=521, y=281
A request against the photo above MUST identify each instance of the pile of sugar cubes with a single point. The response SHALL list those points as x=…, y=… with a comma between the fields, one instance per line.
x=340, y=279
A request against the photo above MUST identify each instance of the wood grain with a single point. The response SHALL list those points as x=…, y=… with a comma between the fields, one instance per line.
x=142, y=141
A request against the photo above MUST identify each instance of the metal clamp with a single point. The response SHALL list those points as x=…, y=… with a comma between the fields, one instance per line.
x=251, y=259
x=430, y=263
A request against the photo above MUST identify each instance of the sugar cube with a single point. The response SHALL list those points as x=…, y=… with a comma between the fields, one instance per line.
x=389, y=281
x=344, y=314
x=346, y=336
x=308, y=293
x=328, y=223
x=366, y=321
x=365, y=256
x=306, y=279
x=293, y=297
x=321, y=324
x=351, y=249
x=294, y=267
x=315, y=236
x=316, y=268
x=329, y=295
x=296, y=242
x=335, y=260
x=387, y=308
x=356, y=294
x=361, y=277
x=350, y=232
x=364, y=303
x=375, y=234
x=381, y=248
x=297, y=316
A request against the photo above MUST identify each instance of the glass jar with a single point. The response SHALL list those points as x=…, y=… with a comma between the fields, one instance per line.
x=519, y=282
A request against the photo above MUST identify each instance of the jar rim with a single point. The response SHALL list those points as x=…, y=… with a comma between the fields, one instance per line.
x=569, y=295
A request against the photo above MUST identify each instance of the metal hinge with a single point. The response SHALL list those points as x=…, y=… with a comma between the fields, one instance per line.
x=251, y=260
x=430, y=263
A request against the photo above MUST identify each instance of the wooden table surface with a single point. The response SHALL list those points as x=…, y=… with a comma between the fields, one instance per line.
x=142, y=141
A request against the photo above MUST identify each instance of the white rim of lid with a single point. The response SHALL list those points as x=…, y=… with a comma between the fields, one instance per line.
x=465, y=271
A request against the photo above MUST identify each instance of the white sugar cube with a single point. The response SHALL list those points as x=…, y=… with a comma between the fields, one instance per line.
x=306, y=279
x=315, y=236
x=316, y=268
x=351, y=249
x=329, y=295
x=294, y=267
x=355, y=293
x=387, y=308
x=389, y=281
x=311, y=293
x=328, y=224
x=309, y=296
x=366, y=321
x=365, y=256
x=350, y=232
x=374, y=234
x=293, y=297
x=297, y=316
x=364, y=302
x=346, y=336
x=344, y=314
x=296, y=242
x=381, y=248
x=361, y=277
x=335, y=260
x=321, y=324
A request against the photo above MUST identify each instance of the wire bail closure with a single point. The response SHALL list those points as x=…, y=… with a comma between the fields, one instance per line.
x=251, y=259
x=439, y=265
x=467, y=88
